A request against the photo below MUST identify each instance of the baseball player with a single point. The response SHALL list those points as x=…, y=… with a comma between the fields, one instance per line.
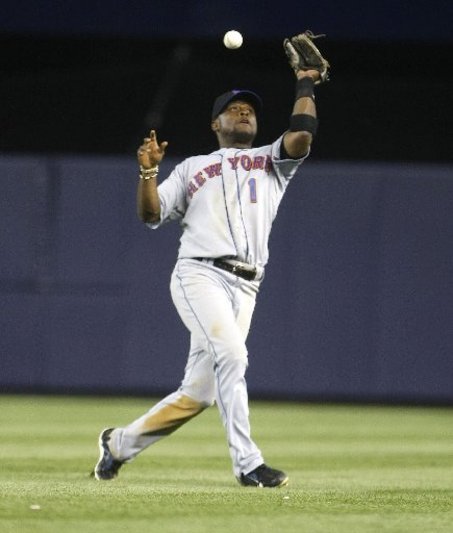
x=226, y=202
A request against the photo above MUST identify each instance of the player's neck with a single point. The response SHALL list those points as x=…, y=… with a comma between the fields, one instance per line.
x=237, y=144
x=235, y=140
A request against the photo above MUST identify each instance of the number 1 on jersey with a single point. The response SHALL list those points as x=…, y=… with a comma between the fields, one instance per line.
x=252, y=186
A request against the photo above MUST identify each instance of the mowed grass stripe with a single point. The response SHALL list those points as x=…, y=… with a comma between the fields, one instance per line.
x=352, y=468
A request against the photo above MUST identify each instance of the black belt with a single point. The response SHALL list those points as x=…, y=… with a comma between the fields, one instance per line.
x=245, y=273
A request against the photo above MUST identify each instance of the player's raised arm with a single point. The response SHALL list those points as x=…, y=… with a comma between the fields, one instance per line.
x=149, y=155
x=310, y=69
x=303, y=121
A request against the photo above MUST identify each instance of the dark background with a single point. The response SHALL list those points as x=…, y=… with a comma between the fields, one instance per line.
x=357, y=301
x=90, y=77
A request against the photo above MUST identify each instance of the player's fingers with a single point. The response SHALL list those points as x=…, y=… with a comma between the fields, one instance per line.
x=151, y=139
x=152, y=136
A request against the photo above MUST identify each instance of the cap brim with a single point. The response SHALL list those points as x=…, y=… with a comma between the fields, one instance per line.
x=239, y=94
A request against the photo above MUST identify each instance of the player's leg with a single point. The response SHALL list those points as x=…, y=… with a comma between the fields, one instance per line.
x=169, y=414
x=122, y=444
x=217, y=311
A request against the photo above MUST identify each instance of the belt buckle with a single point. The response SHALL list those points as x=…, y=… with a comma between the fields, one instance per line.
x=246, y=273
x=236, y=268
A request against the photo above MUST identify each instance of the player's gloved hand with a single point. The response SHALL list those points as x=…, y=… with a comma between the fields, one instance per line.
x=304, y=55
x=151, y=153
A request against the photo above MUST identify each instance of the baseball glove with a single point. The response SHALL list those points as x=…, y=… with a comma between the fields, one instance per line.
x=303, y=55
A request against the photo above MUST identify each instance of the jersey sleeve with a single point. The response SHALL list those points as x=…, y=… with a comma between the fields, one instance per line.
x=284, y=168
x=172, y=196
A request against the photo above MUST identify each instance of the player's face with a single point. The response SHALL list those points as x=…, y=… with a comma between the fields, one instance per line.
x=237, y=123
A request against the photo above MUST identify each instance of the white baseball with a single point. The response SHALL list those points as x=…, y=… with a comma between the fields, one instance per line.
x=232, y=39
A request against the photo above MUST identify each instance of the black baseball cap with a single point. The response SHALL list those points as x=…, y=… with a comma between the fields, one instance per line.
x=224, y=99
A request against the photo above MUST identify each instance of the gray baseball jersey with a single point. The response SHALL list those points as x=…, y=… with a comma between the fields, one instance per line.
x=227, y=201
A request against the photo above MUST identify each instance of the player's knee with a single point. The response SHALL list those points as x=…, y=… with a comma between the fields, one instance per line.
x=235, y=362
x=203, y=393
x=231, y=350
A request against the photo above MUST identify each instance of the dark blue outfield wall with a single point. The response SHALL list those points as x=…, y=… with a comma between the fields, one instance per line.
x=357, y=303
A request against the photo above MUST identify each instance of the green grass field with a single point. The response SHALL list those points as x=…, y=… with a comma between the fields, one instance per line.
x=352, y=469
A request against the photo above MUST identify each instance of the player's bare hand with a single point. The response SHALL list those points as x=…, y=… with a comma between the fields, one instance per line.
x=151, y=152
